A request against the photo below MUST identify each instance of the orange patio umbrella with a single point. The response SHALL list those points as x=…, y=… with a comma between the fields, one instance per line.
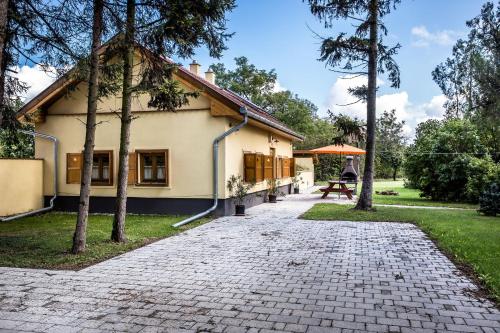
x=338, y=150
x=333, y=150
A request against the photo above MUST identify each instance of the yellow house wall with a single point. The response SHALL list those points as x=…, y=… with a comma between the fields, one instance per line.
x=187, y=135
x=21, y=184
x=253, y=140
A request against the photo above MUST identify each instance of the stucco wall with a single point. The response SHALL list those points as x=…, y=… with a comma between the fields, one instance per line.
x=21, y=184
x=187, y=135
x=253, y=140
x=305, y=170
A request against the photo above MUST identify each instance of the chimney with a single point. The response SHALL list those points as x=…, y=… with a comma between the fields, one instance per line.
x=210, y=76
x=194, y=67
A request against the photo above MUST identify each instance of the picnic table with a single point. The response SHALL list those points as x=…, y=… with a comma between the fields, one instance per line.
x=337, y=186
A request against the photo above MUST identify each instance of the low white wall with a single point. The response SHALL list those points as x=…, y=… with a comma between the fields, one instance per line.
x=304, y=168
x=21, y=185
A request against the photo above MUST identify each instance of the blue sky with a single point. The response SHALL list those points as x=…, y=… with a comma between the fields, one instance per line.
x=275, y=34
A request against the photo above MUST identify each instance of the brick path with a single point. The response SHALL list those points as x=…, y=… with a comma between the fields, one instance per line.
x=266, y=272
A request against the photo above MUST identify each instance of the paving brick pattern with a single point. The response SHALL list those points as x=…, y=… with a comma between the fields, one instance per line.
x=266, y=272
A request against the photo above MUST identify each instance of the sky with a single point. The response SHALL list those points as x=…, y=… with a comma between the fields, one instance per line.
x=282, y=35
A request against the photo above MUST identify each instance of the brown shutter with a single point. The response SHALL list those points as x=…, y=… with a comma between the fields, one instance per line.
x=292, y=167
x=279, y=168
x=286, y=167
x=259, y=168
x=268, y=167
x=249, y=165
x=132, y=168
x=73, y=168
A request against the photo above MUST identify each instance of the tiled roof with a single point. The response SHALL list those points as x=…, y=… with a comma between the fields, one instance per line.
x=253, y=109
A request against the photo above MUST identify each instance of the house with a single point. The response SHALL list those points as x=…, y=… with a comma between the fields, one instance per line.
x=171, y=159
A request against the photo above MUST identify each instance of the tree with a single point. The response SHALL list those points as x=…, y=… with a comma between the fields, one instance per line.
x=448, y=161
x=246, y=80
x=391, y=142
x=470, y=78
x=79, y=237
x=31, y=32
x=258, y=86
x=361, y=54
x=347, y=130
x=162, y=28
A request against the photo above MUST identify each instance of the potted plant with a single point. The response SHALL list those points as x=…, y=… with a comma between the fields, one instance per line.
x=296, y=181
x=238, y=190
x=273, y=189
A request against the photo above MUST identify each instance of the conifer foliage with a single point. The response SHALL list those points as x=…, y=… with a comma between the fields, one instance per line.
x=362, y=53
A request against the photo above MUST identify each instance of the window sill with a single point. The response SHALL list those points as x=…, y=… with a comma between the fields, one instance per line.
x=145, y=185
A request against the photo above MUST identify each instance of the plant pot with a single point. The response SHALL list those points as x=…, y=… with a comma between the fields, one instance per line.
x=272, y=198
x=240, y=210
x=296, y=190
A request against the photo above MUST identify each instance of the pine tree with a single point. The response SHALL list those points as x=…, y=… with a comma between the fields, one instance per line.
x=360, y=54
x=161, y=28
x=80, y=235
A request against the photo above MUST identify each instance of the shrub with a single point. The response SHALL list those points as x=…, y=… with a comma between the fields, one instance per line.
x=489, y=201
x=238, y=189
x=448, y=162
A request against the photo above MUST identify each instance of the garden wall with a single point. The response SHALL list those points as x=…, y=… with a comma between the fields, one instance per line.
x=304, y=168
x=21, y=185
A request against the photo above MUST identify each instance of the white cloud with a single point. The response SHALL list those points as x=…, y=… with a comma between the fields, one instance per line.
x=425, y=38
x=36, y=78
x=411, y=113
x=278, y=87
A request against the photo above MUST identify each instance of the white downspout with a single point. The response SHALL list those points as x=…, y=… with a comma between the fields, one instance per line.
x=244, y=112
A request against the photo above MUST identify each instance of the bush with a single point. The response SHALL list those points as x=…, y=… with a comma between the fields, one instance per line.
x=489, y=201
x=448, y=162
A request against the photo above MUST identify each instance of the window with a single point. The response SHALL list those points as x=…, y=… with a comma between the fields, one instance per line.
x=102, y=168
x=153, y=167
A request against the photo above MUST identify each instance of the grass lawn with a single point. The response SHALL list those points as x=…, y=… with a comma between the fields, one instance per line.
x=44, y=241
x=406, y=197
x=468, y=237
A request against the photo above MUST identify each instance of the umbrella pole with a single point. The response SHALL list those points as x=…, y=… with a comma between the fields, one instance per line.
x=340, y=167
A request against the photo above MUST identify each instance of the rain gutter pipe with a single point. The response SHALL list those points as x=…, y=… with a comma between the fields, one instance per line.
x=51, y=203
x=244, y=112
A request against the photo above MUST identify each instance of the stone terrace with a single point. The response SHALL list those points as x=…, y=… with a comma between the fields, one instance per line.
x=266, y=272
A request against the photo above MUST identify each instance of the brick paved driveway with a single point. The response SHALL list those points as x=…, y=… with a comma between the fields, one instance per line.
x=266, y=272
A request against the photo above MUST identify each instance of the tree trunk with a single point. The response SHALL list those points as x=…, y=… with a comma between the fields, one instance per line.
x=4, y=10
x=365, y=197
x=118, y=232
x=79, y=237
x=394, y=173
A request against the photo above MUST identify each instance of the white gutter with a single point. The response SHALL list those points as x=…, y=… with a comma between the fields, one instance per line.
x=244, y=112
x=51, y=203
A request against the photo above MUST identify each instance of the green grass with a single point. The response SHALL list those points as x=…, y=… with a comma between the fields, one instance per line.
x=406, y=197
x=44, y=241
x=468, y=237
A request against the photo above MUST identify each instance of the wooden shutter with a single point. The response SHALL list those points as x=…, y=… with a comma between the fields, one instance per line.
x=286, y=167
x=249, y=165
x=292, y=167
x=279, y=168
x=259, y=167
x=268, y=167
x=74, y=168
x=132, y=168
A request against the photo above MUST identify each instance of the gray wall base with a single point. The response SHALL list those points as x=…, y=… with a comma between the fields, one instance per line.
x=161, y=206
